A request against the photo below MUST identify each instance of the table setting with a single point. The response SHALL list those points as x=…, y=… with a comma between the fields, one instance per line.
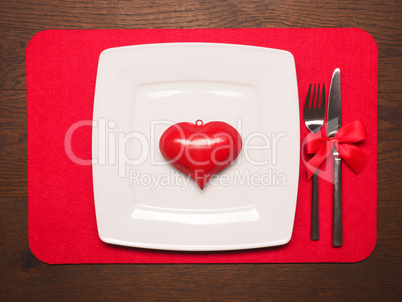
x=111, y=113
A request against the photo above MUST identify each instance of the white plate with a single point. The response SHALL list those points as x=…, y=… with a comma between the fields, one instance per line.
x=252, y=202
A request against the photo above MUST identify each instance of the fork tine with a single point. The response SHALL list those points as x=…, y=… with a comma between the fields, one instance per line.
x=308, y=100
x=318, y=97
x=322, y=104
x=312, y=101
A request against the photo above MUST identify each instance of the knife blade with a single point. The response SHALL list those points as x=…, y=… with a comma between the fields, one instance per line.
x=334, y=122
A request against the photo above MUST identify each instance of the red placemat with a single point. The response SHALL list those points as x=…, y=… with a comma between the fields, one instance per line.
x=61, y=75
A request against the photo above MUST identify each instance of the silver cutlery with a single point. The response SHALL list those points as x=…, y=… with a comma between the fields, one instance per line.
x=314, y=115
x=333, y=124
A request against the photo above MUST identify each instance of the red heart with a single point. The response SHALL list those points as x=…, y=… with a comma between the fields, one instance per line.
x=200, y=151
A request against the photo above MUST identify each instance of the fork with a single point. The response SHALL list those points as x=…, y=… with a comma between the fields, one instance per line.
x=314, y=115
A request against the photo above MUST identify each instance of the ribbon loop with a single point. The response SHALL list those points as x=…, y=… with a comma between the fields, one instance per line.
x=322, y=146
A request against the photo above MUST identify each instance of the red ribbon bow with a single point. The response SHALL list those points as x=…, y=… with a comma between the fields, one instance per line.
x=343, y=141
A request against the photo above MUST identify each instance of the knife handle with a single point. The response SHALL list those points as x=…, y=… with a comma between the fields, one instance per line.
x=337, y=228
x=315, y=235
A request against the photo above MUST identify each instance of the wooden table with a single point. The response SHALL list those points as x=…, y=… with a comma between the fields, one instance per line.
x=23, y=277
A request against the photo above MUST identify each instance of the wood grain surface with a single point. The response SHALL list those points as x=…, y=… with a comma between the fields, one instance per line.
x=23, y=277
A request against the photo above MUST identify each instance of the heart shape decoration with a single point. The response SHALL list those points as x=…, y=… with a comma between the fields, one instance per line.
x=199, y=150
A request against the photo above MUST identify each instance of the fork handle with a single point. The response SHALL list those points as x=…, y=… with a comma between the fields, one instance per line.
x=315, y=234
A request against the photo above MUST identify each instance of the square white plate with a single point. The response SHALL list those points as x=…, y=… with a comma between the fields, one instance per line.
x=142, y=201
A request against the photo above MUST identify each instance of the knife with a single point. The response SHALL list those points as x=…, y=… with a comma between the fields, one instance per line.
x=334, y=122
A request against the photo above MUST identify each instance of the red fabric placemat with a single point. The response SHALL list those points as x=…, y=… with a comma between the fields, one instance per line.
x=61, y=74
